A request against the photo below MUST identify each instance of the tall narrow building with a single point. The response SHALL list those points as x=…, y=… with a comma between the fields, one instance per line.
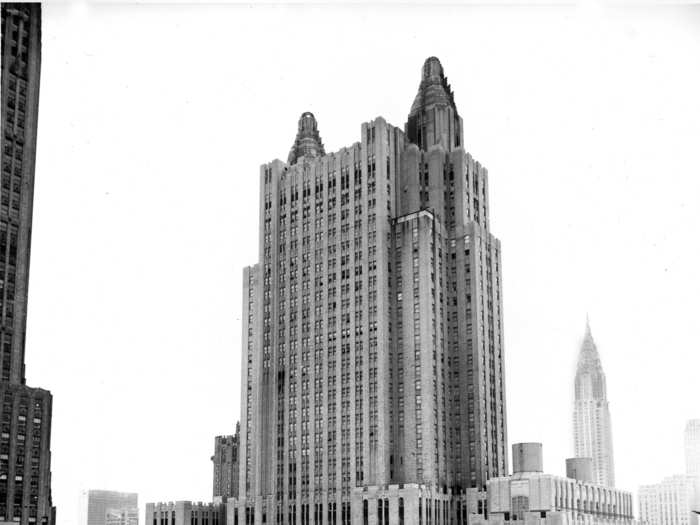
x=373, y=387
x=592, y=426
x=25, y=458
x=692, y=448
x=225, y=463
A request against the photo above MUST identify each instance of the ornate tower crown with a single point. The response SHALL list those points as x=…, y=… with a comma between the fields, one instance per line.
x=433, y=119
x=434, y=89
x=590, y=378
x=308, y=141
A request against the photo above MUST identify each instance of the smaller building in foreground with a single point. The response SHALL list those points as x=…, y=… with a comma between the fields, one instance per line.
x=186, y=513
x=529, y=496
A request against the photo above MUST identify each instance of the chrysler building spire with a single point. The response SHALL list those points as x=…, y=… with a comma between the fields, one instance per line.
x=592, y=426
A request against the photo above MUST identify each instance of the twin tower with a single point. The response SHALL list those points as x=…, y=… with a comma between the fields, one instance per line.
x=373, y=366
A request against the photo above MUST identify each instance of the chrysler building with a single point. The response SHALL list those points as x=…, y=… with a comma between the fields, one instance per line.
x=592, y=427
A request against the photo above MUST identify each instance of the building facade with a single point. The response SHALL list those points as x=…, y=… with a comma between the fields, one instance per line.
x=225, y=465
x=185, y=513
x=692, y=448
x=373, y=336
x=108, y=507
x=531, y=497
x=25, y=457
x=591, y=421
x=122, y=517
x=669, y=502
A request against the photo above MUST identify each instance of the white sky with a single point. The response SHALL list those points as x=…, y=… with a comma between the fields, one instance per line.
x=154, y=121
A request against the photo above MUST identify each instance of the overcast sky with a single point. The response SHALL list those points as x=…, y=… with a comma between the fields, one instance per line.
x=154, y=121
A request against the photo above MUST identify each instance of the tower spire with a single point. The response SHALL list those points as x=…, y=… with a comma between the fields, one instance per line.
x=308, y=140
x=433, y=119
x=592, y=428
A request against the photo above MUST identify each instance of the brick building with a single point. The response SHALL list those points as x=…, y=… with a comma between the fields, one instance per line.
x=25, y=433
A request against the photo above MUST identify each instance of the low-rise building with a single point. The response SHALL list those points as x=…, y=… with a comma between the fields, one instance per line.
x=186, y=513
x=532, y=497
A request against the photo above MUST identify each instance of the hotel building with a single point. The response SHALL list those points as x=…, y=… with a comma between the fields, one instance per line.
x=373, y=383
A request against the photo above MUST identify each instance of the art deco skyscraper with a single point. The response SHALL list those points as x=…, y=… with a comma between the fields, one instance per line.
x=592, y=426
x=25, y=458
x=373, y=339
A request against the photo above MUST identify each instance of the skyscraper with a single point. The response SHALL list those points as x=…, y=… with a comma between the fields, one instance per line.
x=592, y=426
x=25, y=458
x=692, y=448
x=225, y=465
x=373, y=383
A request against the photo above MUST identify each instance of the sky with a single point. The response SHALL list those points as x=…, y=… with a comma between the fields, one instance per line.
x=155, y=119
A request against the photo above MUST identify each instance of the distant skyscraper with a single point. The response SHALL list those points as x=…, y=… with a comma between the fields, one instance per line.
x=592, y=426
x=692, y=448
x=225, y=465
x=373, y=384
x=668, y=502
x=122, y=516
x=107, y=507
x=25, y=457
